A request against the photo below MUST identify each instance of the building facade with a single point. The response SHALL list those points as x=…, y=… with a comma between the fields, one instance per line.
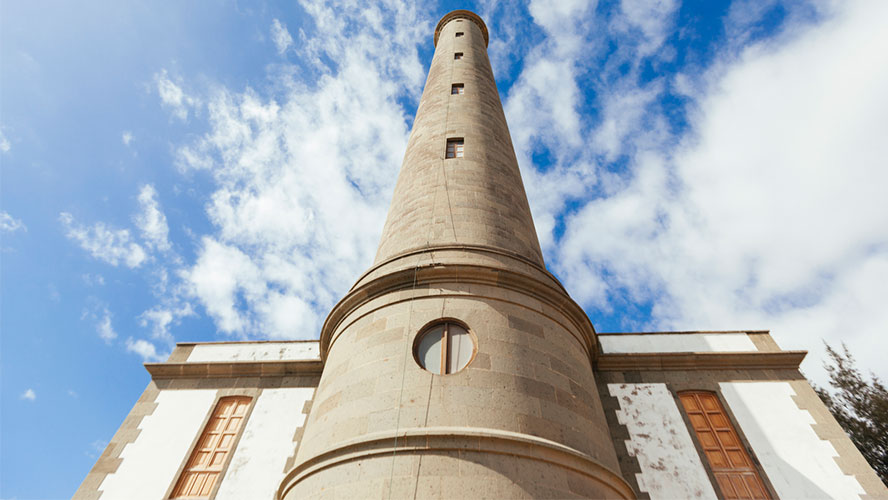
x=457, y=366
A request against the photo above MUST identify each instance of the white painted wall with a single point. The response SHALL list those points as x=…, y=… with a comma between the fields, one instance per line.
x=150, y=462
x=670, y=465
x=257, y=466
x=258, y=351
x=256, y=469
x=677, y=342
x=797, y=462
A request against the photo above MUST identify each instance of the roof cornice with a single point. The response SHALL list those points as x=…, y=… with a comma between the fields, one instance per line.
x=647, y=361
x=229, y=369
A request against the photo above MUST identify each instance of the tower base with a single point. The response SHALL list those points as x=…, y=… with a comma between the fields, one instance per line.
x=453, y=463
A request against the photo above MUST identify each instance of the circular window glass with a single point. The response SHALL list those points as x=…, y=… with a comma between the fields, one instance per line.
x=445, y=347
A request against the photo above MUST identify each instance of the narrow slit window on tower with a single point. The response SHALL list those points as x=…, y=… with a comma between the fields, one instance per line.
x=458, y=55
x=213, y=449
x=458, y=89
x=459, y=34
x=454, y=148
x=734, y=471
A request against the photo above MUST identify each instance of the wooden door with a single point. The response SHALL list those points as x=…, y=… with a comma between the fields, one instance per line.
x=734, y=471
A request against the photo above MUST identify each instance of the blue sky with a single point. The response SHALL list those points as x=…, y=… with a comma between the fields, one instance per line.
x=199, y=171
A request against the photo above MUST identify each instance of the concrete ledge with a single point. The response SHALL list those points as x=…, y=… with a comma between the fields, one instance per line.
x=246, y=342
x=681, y=332
x=780, y=360
x=234, y=369
x=429, y=439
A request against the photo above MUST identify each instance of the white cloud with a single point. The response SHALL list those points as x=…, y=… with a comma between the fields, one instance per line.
x=280, y=36
x=145, y=349
x=303, y=181
x=546, y=90
x=744, y=17
x=160, y=319
x=542, y=111
x=555, y=16
x=545, y=106
x=114, y=246
x=172, y=96
x=224, y=277
x=652, y=18
x=623, y=114
x=29, y=395
x=105, y=329
x=151, y=221
x=126, y=137
x=4, y=143
x=771, y=213
x=10, y=224
x=508, y=40
x=222, y=273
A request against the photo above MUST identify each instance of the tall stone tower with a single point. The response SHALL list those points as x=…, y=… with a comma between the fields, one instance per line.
x=457, y=366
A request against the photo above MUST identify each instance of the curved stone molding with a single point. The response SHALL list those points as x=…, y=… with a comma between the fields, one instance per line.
x=436, y=274
x=430, y=439
x=479, y=255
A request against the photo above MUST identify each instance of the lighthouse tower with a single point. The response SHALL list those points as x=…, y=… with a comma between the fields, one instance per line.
x=457, y=366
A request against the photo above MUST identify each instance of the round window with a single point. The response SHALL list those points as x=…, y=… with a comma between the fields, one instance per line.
x=445, y=347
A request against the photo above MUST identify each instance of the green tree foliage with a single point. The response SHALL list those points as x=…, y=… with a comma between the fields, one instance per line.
x=860, y=406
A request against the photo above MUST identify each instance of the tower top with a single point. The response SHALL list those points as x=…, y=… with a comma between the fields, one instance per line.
x=460, y=185
x=462, y=14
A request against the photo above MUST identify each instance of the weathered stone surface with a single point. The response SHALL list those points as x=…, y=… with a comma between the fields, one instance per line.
x=477, y=199
x=460, y=245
